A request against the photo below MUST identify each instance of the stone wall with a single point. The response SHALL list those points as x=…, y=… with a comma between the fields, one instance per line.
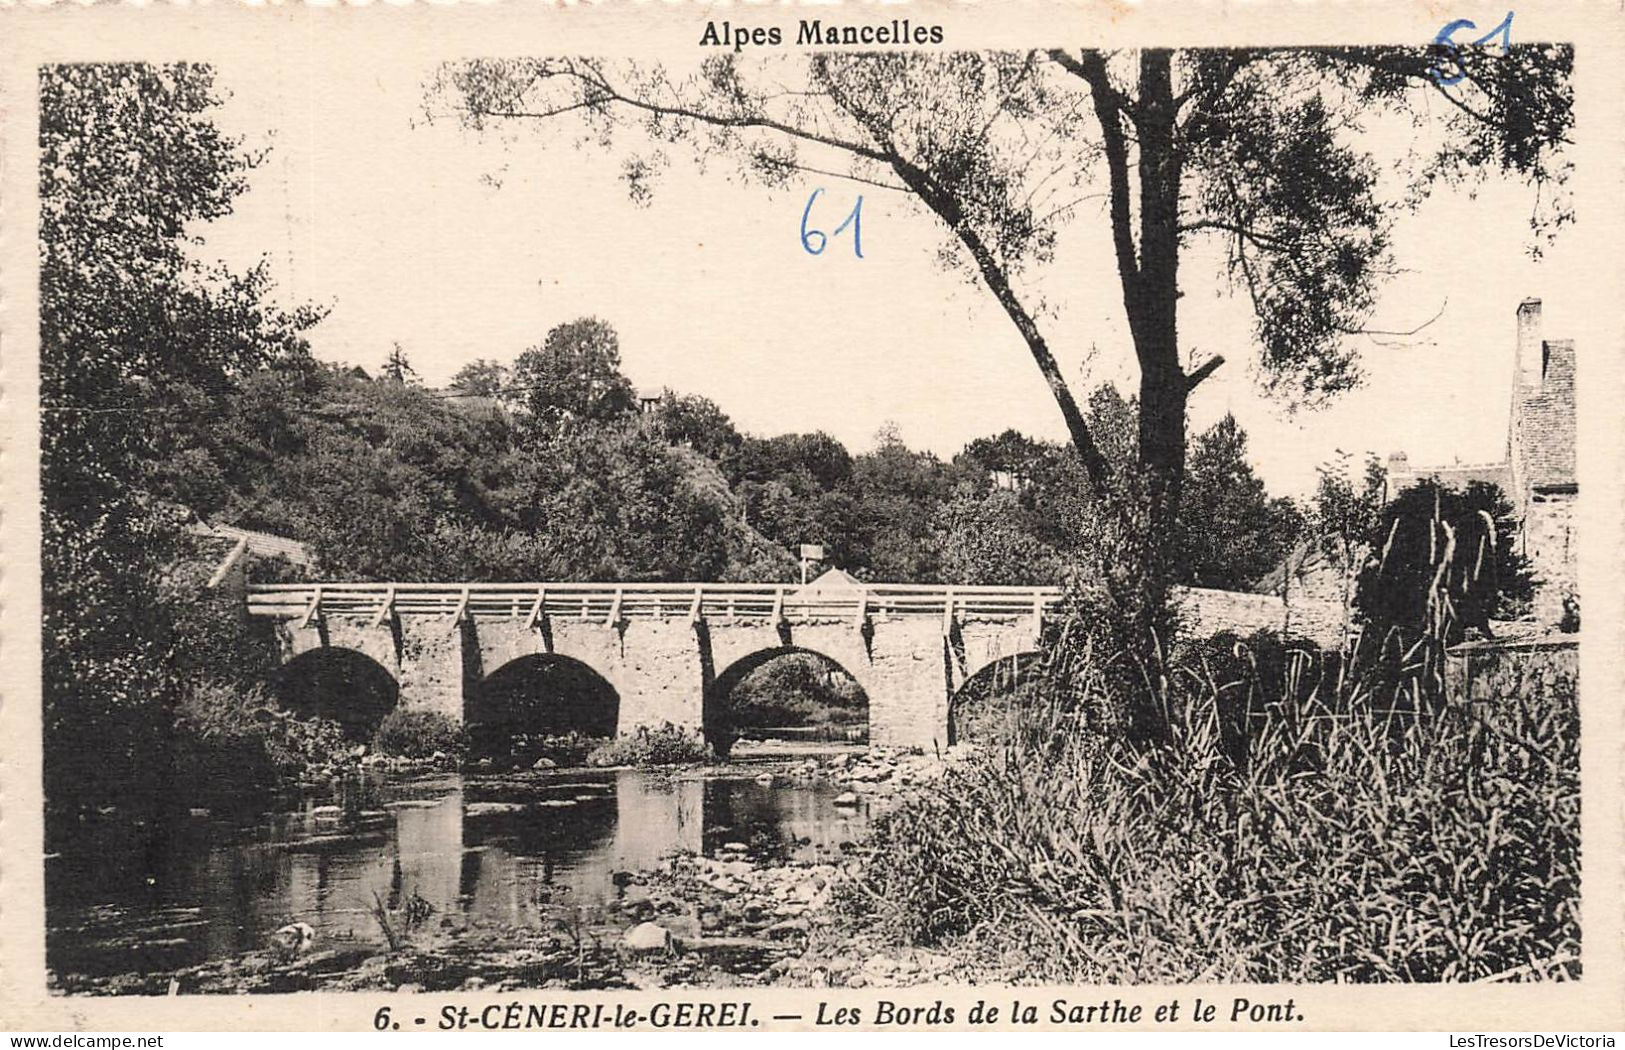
x=907, y=683
x=663, y=669
x=1319, y=601
x=433, y=668
x=1488, y=671
x=1206, y=612
x=376, y=643
x=1549, y=543
x=660, y=674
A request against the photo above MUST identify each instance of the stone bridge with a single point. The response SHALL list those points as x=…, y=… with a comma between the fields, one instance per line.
x=670, y=651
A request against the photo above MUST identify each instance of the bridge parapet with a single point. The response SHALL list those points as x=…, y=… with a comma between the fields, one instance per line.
x=612, y=603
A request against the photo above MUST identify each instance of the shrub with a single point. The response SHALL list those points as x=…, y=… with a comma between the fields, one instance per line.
x=1446, y=561
x=417, y=734
x=235, y=745
x=983, y=711
x=667, y=745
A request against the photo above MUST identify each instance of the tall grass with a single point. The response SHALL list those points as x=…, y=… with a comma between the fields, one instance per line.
x=1296, y=821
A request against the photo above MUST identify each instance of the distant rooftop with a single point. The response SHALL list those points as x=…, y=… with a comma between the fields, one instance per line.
x=262, y=543
x=834, y=580
x=1401, y=475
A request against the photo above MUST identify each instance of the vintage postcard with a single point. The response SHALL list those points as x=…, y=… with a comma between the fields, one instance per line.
x=823, y=516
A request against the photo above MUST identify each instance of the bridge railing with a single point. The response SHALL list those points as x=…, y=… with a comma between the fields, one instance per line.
x=609, y=603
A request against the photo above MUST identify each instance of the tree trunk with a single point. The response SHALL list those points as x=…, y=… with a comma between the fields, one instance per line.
x=1149, y=271
x=1163, y=387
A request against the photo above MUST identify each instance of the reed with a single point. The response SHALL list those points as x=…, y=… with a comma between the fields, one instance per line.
x=1304, y=817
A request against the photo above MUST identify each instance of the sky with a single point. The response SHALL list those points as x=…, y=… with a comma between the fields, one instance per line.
x=462, y=246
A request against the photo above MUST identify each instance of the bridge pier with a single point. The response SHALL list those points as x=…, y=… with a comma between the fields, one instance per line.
x=435, y=668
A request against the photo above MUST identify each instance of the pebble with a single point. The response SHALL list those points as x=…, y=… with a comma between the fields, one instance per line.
x=647, y=937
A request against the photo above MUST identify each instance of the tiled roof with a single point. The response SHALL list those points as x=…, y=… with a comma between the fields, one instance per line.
x=262, y=543
x=834, y=579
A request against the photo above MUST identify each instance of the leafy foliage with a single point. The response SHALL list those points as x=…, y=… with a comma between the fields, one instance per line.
x=1268, y=150
x=698, y=423
x=417, y=734
x=171, y=389
x=664, y=745
x=135, y=340
x=1231, y=533
x=1302, y=816
x=1442, y=845
x=796, y=690
x=1305, y=235
x=1344, y=512
x=575, y=374
x=482, y=378
x=238, y=743
x=1443, y=556
x=989, y=539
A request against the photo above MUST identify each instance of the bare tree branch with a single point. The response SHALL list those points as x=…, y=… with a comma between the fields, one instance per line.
x=1202, y=371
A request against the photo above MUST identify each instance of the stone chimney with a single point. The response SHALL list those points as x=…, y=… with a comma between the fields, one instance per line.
x=1531, y=364
x=1528, y=373
x=1399, y=475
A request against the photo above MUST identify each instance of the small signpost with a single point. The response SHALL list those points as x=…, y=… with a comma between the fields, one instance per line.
x=811, y=553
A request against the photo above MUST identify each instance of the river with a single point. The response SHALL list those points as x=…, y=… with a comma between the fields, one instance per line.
x=509, y=850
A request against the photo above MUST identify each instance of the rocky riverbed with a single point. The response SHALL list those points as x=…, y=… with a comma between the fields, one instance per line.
x=749, y=912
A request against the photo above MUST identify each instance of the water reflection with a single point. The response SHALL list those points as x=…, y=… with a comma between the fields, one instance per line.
x=509, y=850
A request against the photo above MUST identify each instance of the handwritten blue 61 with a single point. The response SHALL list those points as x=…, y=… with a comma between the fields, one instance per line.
x=1444, y=39
x=854, y=219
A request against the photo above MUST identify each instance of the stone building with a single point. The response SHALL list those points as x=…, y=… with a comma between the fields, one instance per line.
x=1538, y=474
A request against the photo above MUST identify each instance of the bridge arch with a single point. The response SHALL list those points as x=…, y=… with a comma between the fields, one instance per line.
x=510, y=712
x=784, y=687
x=338, y=683
x=979, y=709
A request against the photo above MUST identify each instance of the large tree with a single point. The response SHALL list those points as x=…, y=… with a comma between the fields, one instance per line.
x=1263, y=151
x=138, y=344
x=482, y=378
x=574, y=375
x=1231, y=532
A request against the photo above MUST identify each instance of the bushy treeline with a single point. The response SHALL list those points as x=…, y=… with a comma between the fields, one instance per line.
x=388, y=480
x=135, y=336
